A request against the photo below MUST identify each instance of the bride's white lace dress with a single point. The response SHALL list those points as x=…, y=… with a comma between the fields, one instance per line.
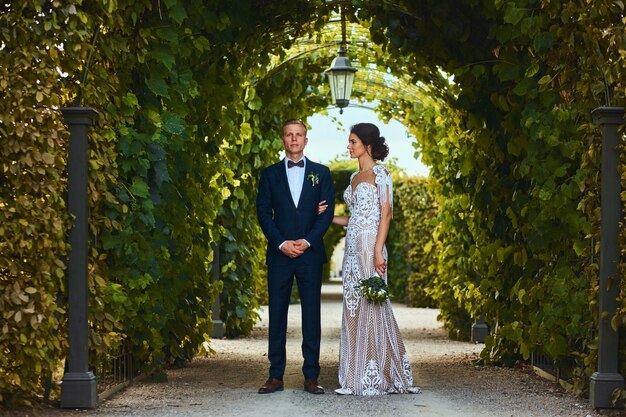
x=372, y=359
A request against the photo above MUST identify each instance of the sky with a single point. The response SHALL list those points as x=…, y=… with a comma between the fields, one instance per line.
x=328, y=138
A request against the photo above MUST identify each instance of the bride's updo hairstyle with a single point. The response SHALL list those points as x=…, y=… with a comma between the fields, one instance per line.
x=370, y=135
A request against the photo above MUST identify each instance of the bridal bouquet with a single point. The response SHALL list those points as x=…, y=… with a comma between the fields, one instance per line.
x=374, y=290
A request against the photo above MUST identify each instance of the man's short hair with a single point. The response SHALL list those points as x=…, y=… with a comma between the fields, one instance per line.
x=294, y=122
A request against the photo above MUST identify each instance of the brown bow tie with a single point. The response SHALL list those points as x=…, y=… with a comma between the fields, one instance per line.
x=291, y=164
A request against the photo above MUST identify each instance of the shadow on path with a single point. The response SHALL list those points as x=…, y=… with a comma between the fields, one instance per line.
x=225, y=384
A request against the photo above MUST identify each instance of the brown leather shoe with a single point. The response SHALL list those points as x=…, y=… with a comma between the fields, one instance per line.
x=311, y=386
x=271, y=385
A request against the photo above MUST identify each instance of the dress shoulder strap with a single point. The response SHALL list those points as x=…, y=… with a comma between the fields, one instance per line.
x=384, y=185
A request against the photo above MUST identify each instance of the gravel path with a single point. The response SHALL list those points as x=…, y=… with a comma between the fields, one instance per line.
x=225, y=384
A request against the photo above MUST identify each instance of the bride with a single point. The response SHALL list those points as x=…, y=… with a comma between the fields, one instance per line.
x=372, y=359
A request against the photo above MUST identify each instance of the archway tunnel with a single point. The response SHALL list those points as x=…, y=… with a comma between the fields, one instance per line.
x=191, y=97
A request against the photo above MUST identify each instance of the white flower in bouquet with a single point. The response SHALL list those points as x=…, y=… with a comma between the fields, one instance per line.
x=374, y=290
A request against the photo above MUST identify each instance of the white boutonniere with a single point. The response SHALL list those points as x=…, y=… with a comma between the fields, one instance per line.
x=314, y=178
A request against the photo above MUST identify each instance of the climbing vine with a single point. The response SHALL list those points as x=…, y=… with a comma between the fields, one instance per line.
x=409, y=241
x=514, y=159
x=191, y=96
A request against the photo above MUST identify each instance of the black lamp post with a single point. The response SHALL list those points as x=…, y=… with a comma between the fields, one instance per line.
x=341, y=73
x=608, y=378
x=79, y=387
x=79, y=382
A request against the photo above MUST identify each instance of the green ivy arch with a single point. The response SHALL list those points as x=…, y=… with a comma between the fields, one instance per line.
x=189, y=112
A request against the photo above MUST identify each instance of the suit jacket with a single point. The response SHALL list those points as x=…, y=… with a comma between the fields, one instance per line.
x=281, y=220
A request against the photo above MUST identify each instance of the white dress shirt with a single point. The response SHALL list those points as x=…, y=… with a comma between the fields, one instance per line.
x=295, y=176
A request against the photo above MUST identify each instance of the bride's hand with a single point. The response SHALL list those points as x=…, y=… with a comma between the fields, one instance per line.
x=321, y=207
x=380, y=264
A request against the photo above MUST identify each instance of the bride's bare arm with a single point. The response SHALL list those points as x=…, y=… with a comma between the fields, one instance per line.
x=341, y=220
x=383, y=229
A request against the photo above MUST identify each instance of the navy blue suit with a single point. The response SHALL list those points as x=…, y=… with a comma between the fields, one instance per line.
x=281, y=220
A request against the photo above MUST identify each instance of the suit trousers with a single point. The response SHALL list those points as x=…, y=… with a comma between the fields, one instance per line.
x=279, y=282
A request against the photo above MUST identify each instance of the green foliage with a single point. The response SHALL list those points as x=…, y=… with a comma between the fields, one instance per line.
x=33, y=211
x=410, y=242
x=513, y=159
x=191, y=96
x=173, y=108
x=341, y=171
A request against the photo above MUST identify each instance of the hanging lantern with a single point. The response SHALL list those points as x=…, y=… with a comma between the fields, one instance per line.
x=341, y=77
x=341, y=73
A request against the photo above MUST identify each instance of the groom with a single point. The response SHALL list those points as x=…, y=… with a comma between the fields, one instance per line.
x=287, y=207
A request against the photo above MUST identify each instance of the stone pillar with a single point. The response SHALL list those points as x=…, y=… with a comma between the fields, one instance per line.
x=607, y=378
x=218, y=326
x=78, y=389
x=480, y=330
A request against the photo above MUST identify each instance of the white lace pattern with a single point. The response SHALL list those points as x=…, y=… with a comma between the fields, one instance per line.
x=372, y=358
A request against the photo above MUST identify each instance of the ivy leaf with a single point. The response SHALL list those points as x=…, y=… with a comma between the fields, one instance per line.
x=531, y=70
x=543, y=41
x=130, y=100
x=520, y=258
x=521, y=89
x=239, y=193
x=241, y=312
x=165, y=57
x=545, y=195
x=513, y=15
x=466, y=165
x=246, y=130
x=516, y=144
x=255, y=103
x=506, y=71
x=158, y=87
x=201, y=43
x=544, y=80
x=139, y=188
x=161, y=174
x=168, y=34
x=173, y=123
x=580, y=246
x=178, y=13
